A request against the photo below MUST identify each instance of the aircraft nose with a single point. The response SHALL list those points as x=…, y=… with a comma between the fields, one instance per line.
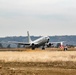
x=48, y=39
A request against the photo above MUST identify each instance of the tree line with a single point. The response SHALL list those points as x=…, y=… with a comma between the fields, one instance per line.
x=9, y=46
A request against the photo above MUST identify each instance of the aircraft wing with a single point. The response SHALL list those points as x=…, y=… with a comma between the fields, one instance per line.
x=20, y=43
x=52, y=43
x=57, y=42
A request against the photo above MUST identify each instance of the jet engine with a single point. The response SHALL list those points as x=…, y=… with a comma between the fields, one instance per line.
x=49, y=44
x=33, y=46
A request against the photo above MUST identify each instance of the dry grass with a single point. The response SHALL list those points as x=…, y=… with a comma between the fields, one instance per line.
x=37, y=62
x=37, y=55
x=36, y=68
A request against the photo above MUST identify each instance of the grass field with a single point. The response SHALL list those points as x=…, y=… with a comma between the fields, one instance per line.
x=37, y=62
x=37, y=55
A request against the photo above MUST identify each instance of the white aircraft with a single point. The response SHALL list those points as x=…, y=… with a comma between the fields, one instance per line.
x=40, y=42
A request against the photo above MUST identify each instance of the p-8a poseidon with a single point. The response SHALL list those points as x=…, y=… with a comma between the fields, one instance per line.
x=40, y=42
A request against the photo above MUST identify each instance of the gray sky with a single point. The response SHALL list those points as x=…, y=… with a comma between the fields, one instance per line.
x=39, y=17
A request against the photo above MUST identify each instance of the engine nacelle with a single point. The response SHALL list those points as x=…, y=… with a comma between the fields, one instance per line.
x=33, y=46
x=49, y=44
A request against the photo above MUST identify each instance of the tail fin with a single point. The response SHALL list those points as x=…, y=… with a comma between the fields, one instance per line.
x=29, y=39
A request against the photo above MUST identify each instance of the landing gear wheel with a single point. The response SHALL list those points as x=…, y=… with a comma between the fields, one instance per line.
x=43, y=48
x=33, y=48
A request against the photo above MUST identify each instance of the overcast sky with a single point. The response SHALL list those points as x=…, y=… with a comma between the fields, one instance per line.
x=39, y=17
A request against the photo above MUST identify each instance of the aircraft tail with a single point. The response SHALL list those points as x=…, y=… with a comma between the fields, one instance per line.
x=29, y=39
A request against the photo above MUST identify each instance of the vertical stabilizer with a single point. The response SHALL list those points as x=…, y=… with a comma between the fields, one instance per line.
x=29, y=39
